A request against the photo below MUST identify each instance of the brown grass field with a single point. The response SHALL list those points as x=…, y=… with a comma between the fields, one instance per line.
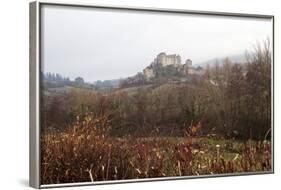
x=87, y=153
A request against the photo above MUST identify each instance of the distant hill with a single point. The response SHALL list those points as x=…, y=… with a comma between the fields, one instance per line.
x=106, y=84
x=238, y=58
x=164, y=68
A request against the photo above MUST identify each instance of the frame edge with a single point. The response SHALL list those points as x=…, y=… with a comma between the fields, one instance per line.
x=34, y=59
x=34, y=174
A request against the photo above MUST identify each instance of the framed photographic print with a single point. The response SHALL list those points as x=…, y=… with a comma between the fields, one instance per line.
x=130, y=94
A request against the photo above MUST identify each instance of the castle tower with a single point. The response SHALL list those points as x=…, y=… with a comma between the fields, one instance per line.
x=165, y=60
x=188, y=62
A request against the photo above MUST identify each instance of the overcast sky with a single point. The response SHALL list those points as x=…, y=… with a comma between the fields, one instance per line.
x=107, y=44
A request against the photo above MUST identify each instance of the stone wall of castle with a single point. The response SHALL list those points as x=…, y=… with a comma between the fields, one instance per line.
x=165, y=60
x=148, y=73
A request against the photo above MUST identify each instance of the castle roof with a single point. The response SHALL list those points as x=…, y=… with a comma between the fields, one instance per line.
x=162, y=53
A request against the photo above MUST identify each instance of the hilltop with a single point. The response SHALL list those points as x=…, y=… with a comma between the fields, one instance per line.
x=164, y=68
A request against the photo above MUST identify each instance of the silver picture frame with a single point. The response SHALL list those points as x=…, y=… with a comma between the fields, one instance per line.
x=35, y=60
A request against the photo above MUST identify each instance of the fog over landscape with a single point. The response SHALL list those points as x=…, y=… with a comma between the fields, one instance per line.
x=143, y=95
x=100, y=45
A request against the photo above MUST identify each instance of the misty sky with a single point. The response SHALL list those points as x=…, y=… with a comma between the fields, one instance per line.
x=107, y=44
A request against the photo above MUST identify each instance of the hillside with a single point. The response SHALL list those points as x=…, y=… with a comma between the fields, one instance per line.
x=164, y=68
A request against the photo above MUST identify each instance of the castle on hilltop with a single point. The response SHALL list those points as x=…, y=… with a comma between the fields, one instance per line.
x=163, y=60
x=165, y=68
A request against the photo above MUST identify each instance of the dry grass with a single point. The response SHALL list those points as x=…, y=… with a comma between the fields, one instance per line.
x=86, y=153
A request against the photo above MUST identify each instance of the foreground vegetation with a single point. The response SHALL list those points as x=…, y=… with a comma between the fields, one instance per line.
x=86, y=153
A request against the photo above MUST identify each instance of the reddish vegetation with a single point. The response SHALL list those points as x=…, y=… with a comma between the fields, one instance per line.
x=86, y=153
